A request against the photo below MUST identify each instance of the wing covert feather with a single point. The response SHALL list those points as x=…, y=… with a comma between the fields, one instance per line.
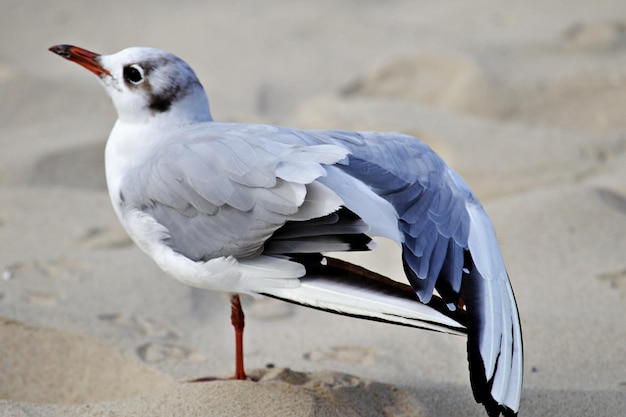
x=225, y=192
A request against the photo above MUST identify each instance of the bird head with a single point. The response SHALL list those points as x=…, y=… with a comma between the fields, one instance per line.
x=145, y=84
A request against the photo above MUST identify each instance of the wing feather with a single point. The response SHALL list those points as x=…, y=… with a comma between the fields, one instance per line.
x=448, y=244
x=223, y=192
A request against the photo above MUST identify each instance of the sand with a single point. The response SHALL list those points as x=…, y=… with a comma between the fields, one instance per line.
x=525, y=100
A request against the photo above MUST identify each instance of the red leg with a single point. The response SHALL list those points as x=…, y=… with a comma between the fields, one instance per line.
x=238, y=321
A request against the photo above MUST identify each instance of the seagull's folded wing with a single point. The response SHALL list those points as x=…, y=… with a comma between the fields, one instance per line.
x=223, y=191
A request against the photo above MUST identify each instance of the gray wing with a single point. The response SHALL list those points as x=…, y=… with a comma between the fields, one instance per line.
x=220, y=190
x=429, y=214
x=448, y=244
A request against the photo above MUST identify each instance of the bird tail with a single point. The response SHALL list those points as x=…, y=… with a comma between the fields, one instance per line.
x=340, y=287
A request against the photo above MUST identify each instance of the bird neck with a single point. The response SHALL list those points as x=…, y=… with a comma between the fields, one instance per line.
x=191, y=108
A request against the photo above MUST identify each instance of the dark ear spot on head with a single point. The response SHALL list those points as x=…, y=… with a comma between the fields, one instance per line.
x=171, y=87
x=160, y=103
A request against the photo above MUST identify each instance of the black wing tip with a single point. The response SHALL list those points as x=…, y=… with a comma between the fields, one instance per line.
x=496, y=410
x=481, y=386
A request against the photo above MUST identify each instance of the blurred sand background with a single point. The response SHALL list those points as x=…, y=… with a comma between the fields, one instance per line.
x=526, y=100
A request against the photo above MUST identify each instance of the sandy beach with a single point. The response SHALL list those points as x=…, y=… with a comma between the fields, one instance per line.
x=525, y=100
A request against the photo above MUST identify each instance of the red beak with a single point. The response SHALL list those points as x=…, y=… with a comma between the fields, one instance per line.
x=82, y=57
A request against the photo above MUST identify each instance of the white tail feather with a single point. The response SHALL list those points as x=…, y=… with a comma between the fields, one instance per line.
x=327, y=294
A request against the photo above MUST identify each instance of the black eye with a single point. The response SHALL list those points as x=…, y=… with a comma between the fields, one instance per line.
x=133, y=74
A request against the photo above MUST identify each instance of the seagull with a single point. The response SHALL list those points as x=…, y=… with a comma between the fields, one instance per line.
x=254, y=209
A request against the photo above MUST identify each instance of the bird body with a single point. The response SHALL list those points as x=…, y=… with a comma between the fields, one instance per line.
x=251, y=208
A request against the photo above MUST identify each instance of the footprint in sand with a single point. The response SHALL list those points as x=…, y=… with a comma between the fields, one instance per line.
x=58, y=268
x=614, y=200
x=78, y=167
x=144, y=325
x=99, y=238
x=161, y=352
x=155, y=351
x=459, y=82
x=596, y=36
x=61, y=267
x=42, y=298
x=52, y=269
x=358, y=355
x=616, y=280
